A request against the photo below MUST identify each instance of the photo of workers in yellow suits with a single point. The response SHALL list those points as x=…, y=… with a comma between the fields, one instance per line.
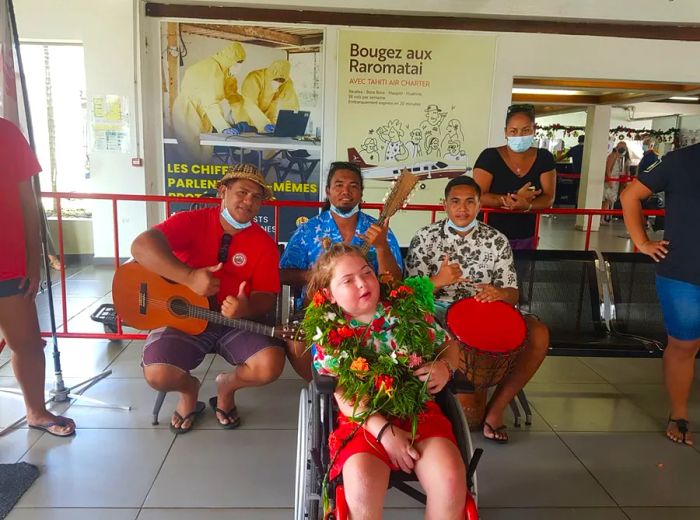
x=197, y=108
x=271, y=89
x=223, y=87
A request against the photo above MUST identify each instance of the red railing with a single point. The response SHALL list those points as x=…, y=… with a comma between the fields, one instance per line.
x=116, y=198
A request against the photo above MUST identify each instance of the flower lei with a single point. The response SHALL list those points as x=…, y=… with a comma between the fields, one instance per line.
x=372, y=369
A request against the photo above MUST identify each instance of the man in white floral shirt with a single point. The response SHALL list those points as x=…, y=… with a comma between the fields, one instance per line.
x=466, y=258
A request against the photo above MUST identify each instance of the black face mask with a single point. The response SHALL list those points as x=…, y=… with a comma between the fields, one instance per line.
x=621, y=151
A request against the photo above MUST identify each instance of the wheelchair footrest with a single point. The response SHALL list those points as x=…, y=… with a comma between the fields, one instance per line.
x=473, y=463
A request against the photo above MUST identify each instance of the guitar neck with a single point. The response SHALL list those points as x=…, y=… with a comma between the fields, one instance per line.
x=394, y=200
x=364, y=248
x=218, y=318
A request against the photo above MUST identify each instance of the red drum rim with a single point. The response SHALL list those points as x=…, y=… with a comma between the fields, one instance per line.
x=492, y=327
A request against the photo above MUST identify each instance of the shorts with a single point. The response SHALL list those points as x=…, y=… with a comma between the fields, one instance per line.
x=12, y=287
x=431, y=423
x=170, y=346
x=680, y=305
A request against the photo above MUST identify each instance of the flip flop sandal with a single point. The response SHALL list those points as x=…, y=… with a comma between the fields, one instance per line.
x=494, y=432
x=60, y=421
x=234, y=420
x=198, y=409
x=682, y=425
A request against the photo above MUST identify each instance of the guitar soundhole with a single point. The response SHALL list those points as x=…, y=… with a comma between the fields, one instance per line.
x=178, y=306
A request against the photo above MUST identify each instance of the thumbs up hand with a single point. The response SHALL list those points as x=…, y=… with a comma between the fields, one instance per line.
x=448, y=274
x=236, y=306
x=202, y=280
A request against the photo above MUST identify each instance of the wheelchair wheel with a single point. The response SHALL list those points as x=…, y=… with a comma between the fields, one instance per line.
x=460, y=427
x=307, y=486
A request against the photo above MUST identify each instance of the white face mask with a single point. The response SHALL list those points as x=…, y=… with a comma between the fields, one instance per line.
x=345, y=214
x=235, y=69
x=275, y=84
x=232, y=221
x=462, y=229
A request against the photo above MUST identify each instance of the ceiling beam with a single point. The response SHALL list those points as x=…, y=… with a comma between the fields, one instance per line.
x=627, y=98
x=556, y=100
x=248, y=31
x=682, y=32
x=603, y=84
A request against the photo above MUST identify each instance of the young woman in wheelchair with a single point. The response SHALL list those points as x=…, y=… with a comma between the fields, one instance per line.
x=365, y=447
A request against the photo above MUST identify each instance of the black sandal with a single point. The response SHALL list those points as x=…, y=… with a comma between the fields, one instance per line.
x=494, y=433
x=682, y=425
x=234, y=420
x=192, y=417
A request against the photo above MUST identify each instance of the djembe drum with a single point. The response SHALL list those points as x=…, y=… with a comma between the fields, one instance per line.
x=492, y=335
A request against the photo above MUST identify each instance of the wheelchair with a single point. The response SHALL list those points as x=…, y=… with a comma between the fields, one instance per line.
x=317, y=414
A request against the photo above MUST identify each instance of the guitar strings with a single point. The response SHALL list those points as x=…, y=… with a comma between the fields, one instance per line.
x=209, y=315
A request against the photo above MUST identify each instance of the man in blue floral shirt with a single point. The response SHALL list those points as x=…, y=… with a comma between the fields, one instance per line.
x=340, y=221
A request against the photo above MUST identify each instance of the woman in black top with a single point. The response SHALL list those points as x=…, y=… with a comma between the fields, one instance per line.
x=516, y=177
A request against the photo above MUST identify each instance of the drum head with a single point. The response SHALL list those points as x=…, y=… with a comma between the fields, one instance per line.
x=493, y=327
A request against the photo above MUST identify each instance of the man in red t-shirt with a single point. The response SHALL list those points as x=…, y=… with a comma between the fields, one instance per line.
x=20, y=276
x=217, y=252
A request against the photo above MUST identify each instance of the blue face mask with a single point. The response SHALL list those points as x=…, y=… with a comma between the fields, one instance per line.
x=645, y=147
x=520, y=144
x=345, y=214
x=232, y=221
x=463, y=229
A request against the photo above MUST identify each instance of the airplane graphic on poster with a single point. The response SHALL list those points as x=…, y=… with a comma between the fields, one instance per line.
x=424, y=170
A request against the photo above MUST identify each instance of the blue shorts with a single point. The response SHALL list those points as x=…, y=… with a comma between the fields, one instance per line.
x=680, y=305
x=13, y=287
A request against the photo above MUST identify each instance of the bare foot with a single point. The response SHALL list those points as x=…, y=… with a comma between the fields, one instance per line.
x=55, y=263
x=677, y=431
x=225, y=395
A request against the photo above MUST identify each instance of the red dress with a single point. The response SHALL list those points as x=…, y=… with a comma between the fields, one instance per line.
x=431, y=423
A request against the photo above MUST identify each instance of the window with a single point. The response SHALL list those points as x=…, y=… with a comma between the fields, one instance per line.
x=55, y=75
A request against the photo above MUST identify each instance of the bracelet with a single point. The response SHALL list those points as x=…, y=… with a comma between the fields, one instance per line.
x=449, y=369
x=382, y=430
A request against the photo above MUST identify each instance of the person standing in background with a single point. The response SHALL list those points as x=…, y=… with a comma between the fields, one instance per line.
x=576, y=155
x=20, y=277
x=677, y=271
x=516, y=177
x=616, y=166
x=650, y=156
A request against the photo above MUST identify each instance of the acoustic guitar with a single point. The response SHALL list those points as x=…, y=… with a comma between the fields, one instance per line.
x=147, y=301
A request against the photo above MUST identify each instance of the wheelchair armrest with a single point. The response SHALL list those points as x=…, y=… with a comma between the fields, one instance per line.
x=460, y=384
x=324, y=384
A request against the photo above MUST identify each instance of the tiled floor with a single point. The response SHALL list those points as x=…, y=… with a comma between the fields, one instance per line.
x=595, y=449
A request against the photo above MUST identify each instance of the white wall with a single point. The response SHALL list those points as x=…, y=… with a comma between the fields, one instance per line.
x=105, y=29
